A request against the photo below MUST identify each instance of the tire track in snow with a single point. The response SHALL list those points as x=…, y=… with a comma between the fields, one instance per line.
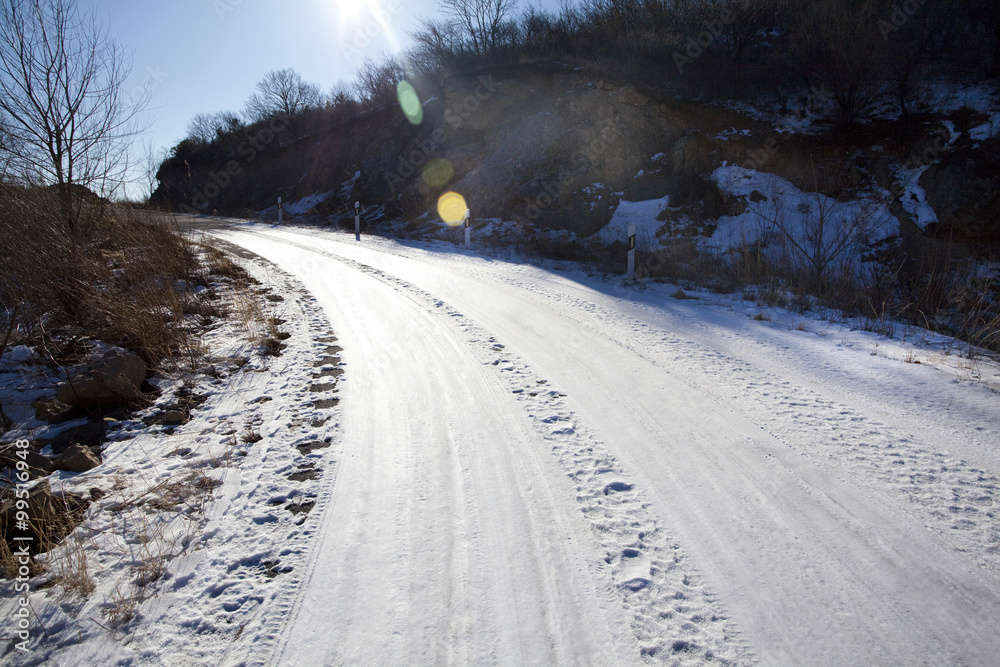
x=675, y=617
x=956, y=500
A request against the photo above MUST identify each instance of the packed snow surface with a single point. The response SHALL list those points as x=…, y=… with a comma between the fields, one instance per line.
x=536, y=466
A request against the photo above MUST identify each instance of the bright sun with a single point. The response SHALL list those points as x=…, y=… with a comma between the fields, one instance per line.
x=348, y=11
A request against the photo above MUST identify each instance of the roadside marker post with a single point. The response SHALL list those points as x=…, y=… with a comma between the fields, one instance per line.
x=279, y=211
x=468, y=230
x=631, y=252
x=357, y=221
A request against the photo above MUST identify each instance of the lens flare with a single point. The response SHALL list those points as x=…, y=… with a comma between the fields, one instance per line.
x=438, y=172
x=410, y=102
x=452, y=208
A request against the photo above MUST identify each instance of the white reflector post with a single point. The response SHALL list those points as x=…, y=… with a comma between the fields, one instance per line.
x=631, y=252
x=468, y=230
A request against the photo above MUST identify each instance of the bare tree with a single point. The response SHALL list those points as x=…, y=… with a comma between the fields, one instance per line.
x=207, y=127
x=67, y=119
x=483, y=21
x=821, y=232
x=377, y=79
x=436, y=44
x=840, y=45
x=341, y=102
x=202, y=128
x=282, y=92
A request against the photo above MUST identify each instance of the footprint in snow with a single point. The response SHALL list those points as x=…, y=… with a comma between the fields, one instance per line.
x=617, y=487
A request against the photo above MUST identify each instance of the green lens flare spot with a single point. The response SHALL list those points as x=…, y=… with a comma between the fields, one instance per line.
x=410, y=102
x=452, y=208
x=438, y=172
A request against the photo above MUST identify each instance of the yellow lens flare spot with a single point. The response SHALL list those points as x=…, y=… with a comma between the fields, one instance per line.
x=410, y=102
x=438, y=172
x=452, y=208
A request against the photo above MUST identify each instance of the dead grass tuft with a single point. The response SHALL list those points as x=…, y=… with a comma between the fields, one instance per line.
x=119, y=277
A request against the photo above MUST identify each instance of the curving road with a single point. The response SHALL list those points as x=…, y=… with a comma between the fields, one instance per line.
x=541, y=468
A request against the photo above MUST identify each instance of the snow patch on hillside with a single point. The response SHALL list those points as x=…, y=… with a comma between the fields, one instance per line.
x=778, y=211
x=914, y=197
x=642, y=214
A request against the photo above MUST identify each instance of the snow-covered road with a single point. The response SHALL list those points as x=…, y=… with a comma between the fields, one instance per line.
x=543, y=468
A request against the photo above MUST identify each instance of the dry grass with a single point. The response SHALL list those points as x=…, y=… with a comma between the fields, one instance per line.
x=221, y=264
x=120, y=609
x=250, y=436
x=70, y=565
x=119, y=277
x=259, y=327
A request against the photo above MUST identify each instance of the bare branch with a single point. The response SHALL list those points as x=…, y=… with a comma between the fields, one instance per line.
x=65, y=118
x=282, y=92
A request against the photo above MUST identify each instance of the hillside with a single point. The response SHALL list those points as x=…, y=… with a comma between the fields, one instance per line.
x=549, y=146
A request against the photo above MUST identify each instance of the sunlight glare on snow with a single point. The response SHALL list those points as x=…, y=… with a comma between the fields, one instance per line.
x=452, y=208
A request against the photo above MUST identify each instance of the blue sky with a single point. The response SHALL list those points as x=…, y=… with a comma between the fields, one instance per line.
x=203, y=56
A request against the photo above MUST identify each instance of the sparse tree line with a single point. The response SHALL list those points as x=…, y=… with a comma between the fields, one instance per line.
x=851, y=53
x=855, y=51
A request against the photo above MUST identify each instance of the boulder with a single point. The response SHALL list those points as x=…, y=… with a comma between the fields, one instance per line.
x=38, y=465
x=692, y=155
x=91, y=434
x=965, y=194
x=50, y=410
x=77, y=458
x=169, y=417
x=50, y=517
x=113, y=380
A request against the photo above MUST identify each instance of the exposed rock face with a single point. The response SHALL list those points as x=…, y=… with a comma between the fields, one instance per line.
x=550, y=146
x=965, y=194
x=77, y=458
x=113, y=380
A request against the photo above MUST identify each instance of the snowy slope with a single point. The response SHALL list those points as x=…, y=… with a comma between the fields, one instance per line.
x=824, y=500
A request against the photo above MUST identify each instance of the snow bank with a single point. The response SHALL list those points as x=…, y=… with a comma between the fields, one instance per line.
x=777, y=210
x=642, y=214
